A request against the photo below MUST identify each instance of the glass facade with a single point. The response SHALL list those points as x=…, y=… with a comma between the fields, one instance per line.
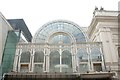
x=59, y=46
x=9, y=52
x=54, y=61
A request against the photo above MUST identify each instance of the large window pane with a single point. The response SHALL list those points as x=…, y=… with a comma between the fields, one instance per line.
x=66, y=61
x=54, y=61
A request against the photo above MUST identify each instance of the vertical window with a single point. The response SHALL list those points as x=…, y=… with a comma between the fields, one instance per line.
x=96, y=59
x=54, y=61
x=38, y=61
x=24, y=61
x=66, y=61
x=82, y=58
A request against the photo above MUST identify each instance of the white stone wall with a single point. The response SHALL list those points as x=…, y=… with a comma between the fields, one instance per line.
x=105, y=29
x=4, y=27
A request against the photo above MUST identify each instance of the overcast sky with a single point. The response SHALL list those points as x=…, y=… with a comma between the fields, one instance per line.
x=38, y=12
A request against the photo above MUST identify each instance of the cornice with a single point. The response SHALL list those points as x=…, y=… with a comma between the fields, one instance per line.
x=98, y=19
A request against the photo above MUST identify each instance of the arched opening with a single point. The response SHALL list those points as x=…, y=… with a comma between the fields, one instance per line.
x=82, y=58
x=38, y=61
x=96, y=58
x=66, y=61
x=24, y=61
x=54, y=61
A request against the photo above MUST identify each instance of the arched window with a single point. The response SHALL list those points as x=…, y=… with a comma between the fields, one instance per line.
x=96, y=54
x=66, y=61
x=25, y=57
x=24, y=61
x=38, y=61
x=38, y=57
x=54, y=61
x=96, y=58
x=82, y=60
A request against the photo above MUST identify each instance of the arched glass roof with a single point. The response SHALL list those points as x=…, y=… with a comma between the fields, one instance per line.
x=60, y=31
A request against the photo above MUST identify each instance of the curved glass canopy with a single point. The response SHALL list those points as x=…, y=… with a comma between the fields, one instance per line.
x=59, y=32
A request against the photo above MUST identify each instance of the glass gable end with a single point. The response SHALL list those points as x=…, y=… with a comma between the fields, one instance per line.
x=71, y=29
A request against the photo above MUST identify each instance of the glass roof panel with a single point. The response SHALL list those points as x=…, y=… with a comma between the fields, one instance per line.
x=60, y=26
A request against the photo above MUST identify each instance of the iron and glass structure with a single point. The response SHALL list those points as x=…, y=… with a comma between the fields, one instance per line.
x=61, y=50
x=59, y=46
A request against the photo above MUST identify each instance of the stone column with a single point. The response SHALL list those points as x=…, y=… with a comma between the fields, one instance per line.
x=60, y=60
x=47, y=59
x=73, y=53
x=19, y=57
x=32, y=66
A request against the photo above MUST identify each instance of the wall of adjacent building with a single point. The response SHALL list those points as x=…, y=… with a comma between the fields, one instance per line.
x=4, y=28
x=104, y=28
x=8, y=42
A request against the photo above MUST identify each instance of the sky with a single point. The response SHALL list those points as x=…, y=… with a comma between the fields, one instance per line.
x=36, y=13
